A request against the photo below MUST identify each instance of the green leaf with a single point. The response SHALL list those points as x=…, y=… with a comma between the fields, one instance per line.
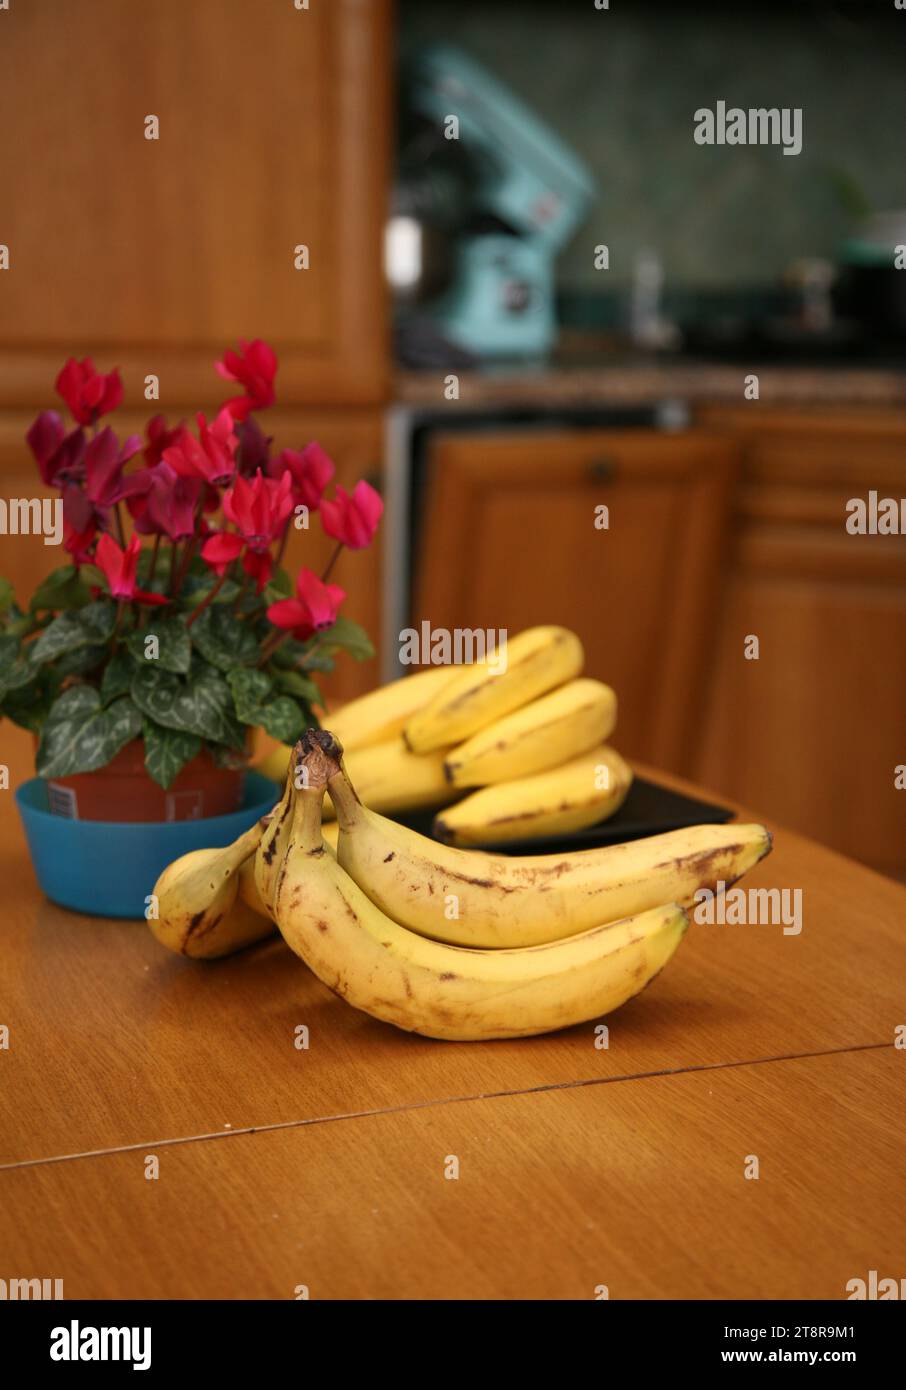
x=117, y=677
x=279, y=586
x=250, y=689
x=280, y=715
x=7, y=595
x=349, y=637
x=174, y=645
x=201, y=704
x=29, y=706
x=80, y=662
x=21, y=673
x=61, y=589
x=65, y=634
x=301, y=656
x=196, y=587
x=282, y=718
x=223, y=640
x=90, y=626
x=98, y=619
x=318, y=661
x=294, y=683
x=79, y=735
x=9, y=650
x=167, y=751
x=93, y=577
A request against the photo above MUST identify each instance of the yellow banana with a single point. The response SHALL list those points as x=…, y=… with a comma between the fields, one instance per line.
x=373, y=718
x=443, y=991
x=580, y=793
x=199, y=911
x=248, y=883
x=471, y=898
x=546, y=733
x=390, y=778
x=258, y=883
x=536, y=661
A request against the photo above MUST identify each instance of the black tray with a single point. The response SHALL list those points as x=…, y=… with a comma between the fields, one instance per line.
x=649, y=809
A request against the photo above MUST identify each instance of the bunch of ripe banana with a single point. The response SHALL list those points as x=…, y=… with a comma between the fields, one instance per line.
x=452, y=943
x=521, y=733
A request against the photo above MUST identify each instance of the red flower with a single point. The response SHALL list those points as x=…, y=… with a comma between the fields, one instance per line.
x=163, y=503
x=80, y=523
x=212, y=456
x=311, y=470
x=353, y=519
x=254, y=447
x=60, y=456
x=254, y=368
x=120, y=566
x=315, y=606
x=104, y=463
x=88, y=393
x=160, y=437
x=259, y=510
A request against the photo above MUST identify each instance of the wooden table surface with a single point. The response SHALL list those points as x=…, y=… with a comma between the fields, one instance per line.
x=330, y=1168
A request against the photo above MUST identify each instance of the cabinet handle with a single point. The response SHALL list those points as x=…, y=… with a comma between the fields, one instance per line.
x=603, y=470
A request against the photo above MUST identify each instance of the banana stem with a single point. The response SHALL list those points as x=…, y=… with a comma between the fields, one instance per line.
x=307, y=835
x=345, y=801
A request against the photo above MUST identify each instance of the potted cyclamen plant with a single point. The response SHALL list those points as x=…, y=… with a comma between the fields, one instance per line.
x=142, y=665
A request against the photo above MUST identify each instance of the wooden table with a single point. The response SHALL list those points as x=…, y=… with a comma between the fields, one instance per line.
x=579, y=1168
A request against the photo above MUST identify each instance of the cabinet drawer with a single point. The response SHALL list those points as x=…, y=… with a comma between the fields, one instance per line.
x=508, y=538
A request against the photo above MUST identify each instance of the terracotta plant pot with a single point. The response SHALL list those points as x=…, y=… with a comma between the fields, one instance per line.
x=122, y=791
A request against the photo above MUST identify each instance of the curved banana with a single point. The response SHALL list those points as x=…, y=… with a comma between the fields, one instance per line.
x=580, y=793
x=272, y=846
x=257, y=883
x=471, y=898
x=546, y=733
x=537, y=660
x=379, y=715
x=391, y=778
x=444, y=991
x=199, y=911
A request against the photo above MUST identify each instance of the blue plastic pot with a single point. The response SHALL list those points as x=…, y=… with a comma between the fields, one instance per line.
x=107, y=868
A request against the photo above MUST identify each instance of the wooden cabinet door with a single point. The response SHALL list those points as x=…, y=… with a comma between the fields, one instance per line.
x=354, y=439
x=510, y=537
x=156, y=254
x=813, y=730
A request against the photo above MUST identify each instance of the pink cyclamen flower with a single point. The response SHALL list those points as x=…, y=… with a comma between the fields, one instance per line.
x=120, y=568
x=254, y=368
x=315, y=606
x=105, y=459
x=311, y=469
x=259, y=510
x=164, y=504
x=212, y=456
x=60, y=456
x=160, y=437
x=88, y=392
x=353, y=518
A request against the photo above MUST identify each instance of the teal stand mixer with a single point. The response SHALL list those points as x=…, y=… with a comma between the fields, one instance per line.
x=501, y=198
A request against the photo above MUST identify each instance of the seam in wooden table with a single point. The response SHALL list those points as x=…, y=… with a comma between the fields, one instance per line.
x=245, y=1130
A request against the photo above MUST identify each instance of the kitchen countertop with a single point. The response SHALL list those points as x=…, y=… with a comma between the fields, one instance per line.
x=626, y=381
x=579, y=1166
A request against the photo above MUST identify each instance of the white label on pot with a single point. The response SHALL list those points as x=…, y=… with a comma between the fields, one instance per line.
x=61, y=801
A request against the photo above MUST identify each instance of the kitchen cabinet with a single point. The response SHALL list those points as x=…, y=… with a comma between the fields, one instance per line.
x=155, y=254
x=815, y=728
x=510, y=536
